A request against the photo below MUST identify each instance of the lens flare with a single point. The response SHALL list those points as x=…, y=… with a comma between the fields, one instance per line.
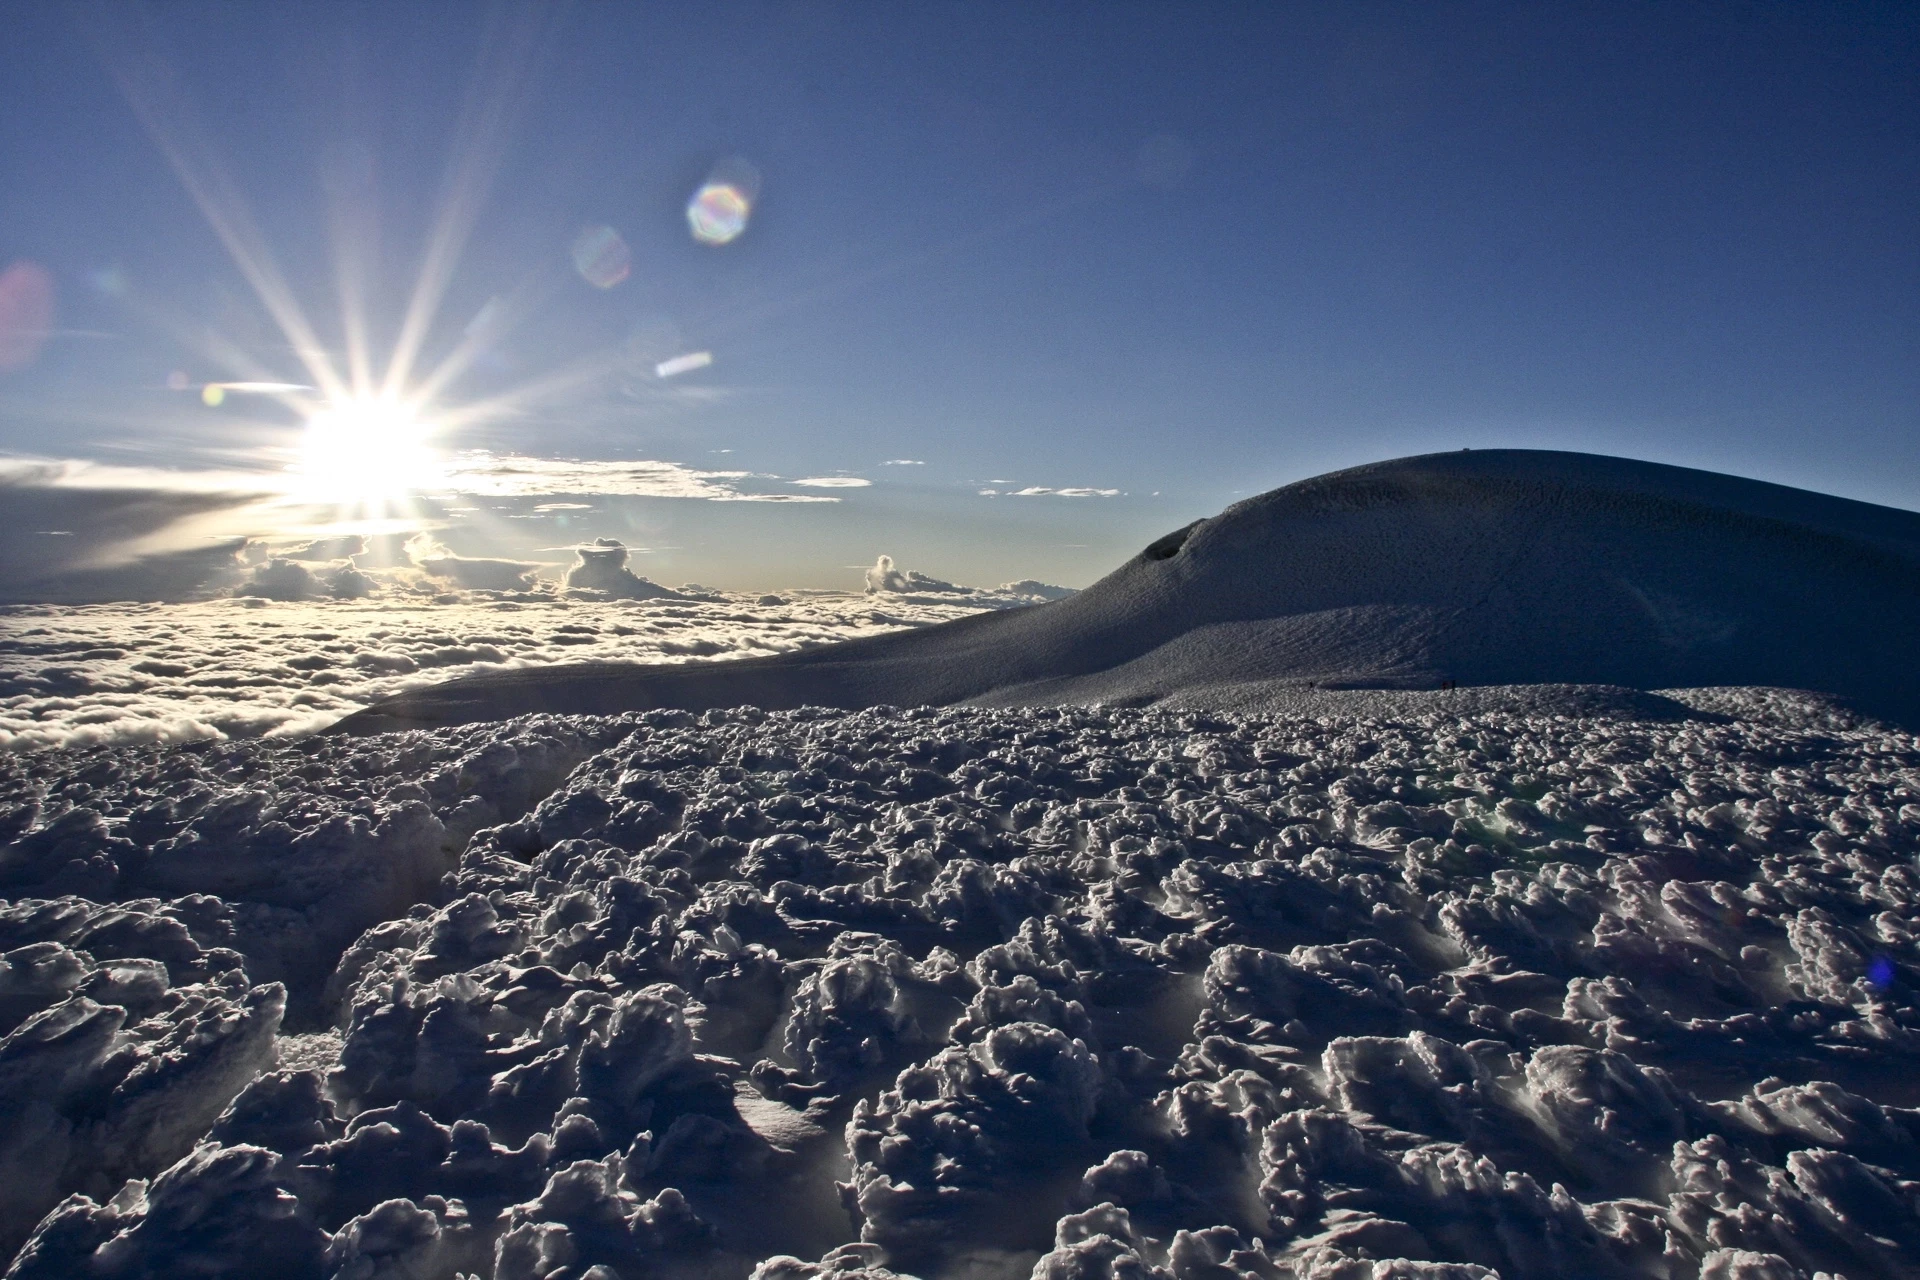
x=683, y=364
x=26, y=313
x=718, y=213
x=601, y=257
x=1881, y=973
x=719, y=210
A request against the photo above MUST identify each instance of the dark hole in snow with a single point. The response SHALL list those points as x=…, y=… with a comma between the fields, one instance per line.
x=1168, y=547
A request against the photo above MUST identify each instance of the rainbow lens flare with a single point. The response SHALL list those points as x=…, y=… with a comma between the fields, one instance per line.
x=718, y=213
x=601, y=257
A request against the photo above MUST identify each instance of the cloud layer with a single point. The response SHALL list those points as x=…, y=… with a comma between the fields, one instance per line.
x=72, y=531
x=517, y=476
x=115, y=673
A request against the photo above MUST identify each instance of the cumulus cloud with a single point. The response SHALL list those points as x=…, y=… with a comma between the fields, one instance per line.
x=481, y=573
x=280, y=579
x=833, y=482
x=885, y=576
x=603, y=567
x=517, y=475
x=345, y=582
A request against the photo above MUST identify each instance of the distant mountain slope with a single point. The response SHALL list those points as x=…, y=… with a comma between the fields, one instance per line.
x=1488, y=568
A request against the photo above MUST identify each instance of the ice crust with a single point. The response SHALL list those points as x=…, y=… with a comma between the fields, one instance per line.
x=1081, y=993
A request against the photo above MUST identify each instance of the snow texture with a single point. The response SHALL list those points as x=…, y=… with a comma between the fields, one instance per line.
x=1440, y=573
x=1072, y=993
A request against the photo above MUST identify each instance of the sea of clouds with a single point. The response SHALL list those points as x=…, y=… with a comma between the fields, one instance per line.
x=290, y=650
x=1070, y=993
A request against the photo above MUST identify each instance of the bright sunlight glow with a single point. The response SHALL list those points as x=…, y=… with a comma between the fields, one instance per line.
x=364, y=450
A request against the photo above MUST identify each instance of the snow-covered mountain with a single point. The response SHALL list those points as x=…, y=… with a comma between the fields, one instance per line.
x=1470, y=569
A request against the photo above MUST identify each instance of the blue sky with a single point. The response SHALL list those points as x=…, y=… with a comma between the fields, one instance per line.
x=1180, y=253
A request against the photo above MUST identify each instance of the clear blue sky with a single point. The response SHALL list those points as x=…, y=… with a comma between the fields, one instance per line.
x=1184, y=252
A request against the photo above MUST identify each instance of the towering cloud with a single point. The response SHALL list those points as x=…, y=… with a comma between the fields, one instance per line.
x=602, y=567
x=885, y=576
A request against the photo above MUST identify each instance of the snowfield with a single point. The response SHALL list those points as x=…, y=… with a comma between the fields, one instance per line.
x=1086, y=994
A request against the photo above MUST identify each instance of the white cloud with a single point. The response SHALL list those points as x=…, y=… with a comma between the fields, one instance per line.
x=903, y=462
x=1038, y=491
x=521, y=476
x=833, y=482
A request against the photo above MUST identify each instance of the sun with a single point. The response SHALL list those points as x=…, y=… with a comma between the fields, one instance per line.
x=364, y=450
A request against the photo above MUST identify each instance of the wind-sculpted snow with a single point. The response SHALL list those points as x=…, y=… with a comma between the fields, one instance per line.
x=270, y=857
x=90, y=675
x=1081, y=994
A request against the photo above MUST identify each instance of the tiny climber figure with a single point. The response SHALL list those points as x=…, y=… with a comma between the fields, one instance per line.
x=1446, y=684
